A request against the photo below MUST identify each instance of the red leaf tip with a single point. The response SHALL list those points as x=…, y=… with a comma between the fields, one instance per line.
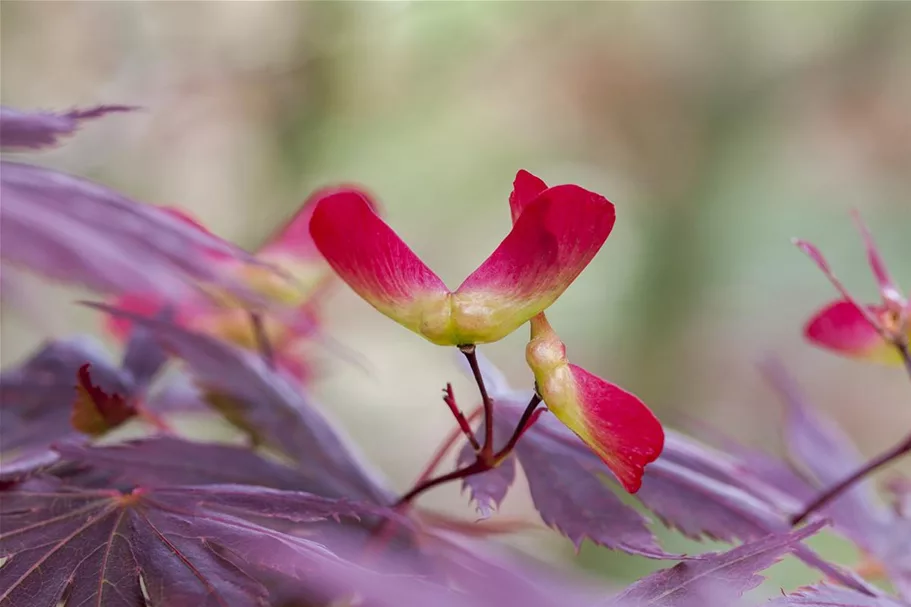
x=94, y=410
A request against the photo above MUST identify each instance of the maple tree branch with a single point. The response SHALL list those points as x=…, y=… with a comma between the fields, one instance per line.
x=892, y=454
x=482, y=463
x=476, y=467
x=444, y=447
x=464, y=426
x=262, y=339
x=529, y=417
x=470, y=352
x=384, y=530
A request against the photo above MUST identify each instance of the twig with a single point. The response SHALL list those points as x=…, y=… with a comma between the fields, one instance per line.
x=476, y=467
x=444, y=447
x=470, y=353
x=485, y=459
x=262, y=339
x=529, y=417
x=481, y=464
x=901, y=449
x=449, y=399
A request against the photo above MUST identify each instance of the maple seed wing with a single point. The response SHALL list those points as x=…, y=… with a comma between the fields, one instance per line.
x=291, y=248
x=841, y=328
x=375, y=262
x=887, y=287
x=615, y=424
x=525, y=188
x=553, y=240
x=293, y=238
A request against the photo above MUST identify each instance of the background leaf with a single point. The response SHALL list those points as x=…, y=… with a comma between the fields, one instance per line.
x=692, y=488
x=36, y=130
x=83, y=233
x=833, y=596
x=186, y=544
x=718, y=579
x=36, y=398
x=166, y=460
x=489, y=488
x=822, y=452
x=569, y=488
x=270, y=403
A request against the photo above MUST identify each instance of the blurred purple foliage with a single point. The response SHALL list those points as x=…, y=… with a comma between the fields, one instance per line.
x=295, y=515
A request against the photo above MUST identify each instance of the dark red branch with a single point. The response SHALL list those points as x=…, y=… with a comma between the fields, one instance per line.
x=529, y=417
x=471, y=354
x=896, y=452
x=449, y=399
x=481, y=463
x=474, y=468
x=836, y=490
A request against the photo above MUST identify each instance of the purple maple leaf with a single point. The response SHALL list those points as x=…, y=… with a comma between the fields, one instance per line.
x=833, y=596
x=567, y=486
x=177, y=393
x=166, y=460
x=572, y=495
x=691, y=487
x=144, y=356
x=25, y=465
x=279, y=412
x=823, y=454
x=36, y=397
x=490, y=488
x=81, y=232
x=451, y=571
x=181, y=545
x=37, y=130
x=76, y=231
x=717, y=579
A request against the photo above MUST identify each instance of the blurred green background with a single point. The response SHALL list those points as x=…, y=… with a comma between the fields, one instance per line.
x=720, y=130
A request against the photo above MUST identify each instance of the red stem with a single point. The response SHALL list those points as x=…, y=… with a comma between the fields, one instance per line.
x=441, y=451
x=529, y=417
x=476, y=467
x=470, y=353
x=449, y=399
x=485, y=458
x=901, y=449
x=896, y=452
x=481, y=464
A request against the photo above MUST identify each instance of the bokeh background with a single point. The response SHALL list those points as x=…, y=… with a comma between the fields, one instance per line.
x=720, y=130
